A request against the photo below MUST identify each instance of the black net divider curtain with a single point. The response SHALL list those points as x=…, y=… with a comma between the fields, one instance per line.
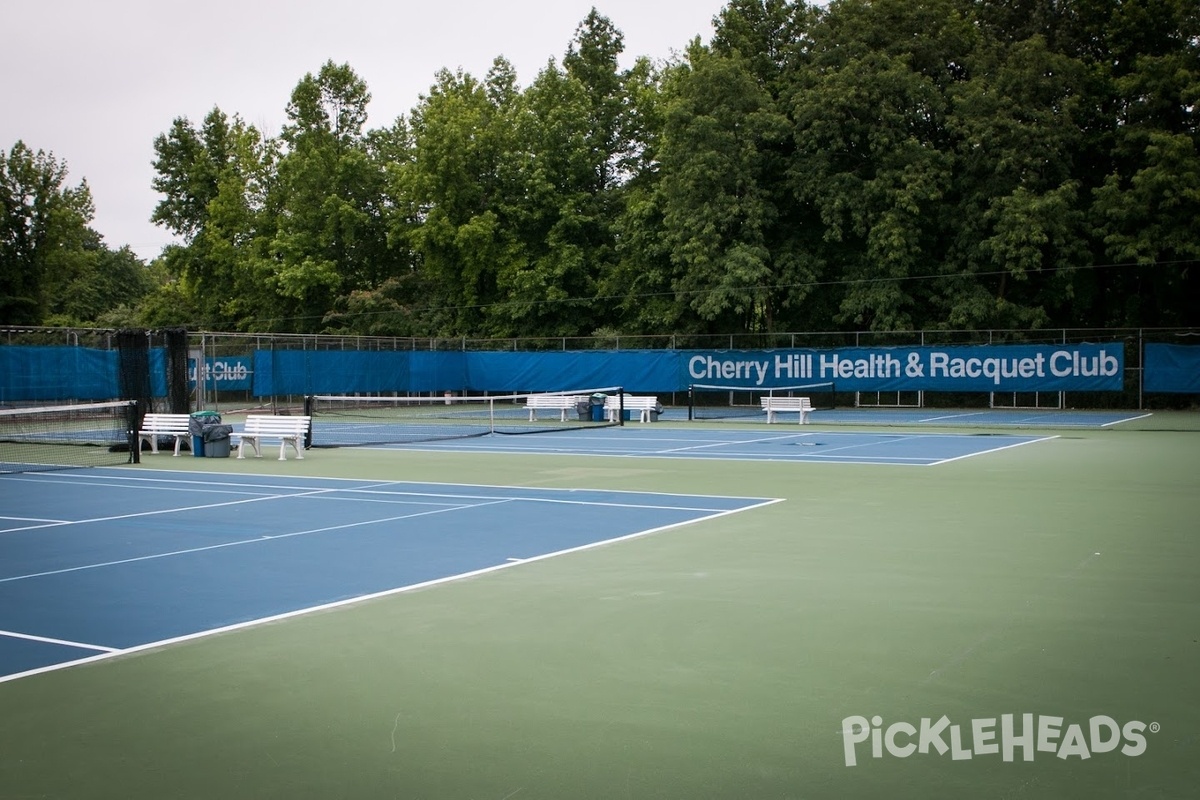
x=133, y=367
x=133, y=378
x=178, y=392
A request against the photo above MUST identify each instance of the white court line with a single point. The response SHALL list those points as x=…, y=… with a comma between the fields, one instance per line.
x=136, y=480
x=1127, y=419
x=34, y=519
x=381, y=488
x=952, y=416
x=157, y=484
x=65, y=642
x=490, y=498
x=994, y=450
x=163, y=511
x=235, y=543
x=729, y=443
x=800, y=458
x=367, y=597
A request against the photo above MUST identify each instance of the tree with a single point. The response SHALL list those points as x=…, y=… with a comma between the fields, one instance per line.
x=454, y=190
x=873, y=151
x=216, y=181
x=716, y=190
x=740, y=243
x=576, y=147
x=43, y=229
x=86, y=285
x=329, y=237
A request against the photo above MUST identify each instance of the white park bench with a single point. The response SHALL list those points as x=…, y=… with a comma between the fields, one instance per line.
x=156, y=425
x=259, y=427
x=774, y=405
x=646, y=407
x=563, y=403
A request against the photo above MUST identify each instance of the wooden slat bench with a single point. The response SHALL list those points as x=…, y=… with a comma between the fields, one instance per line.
x=644, y=406
x=288, y=430
x=774, y=405
x=563, y=403
x=156, y=425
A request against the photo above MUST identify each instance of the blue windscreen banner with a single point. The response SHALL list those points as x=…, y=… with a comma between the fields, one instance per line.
x=228, y=373
x=39, y=374
x=437, y=372
x=301, y=372
x=277, y=372
x=632, y=370
x=42, y=374
x=53, y=373
x=1172, y=368
x=985, y=368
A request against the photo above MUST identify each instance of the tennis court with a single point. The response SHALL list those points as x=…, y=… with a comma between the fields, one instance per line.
x=728, y=613
x=791, y=443
x=175, y=555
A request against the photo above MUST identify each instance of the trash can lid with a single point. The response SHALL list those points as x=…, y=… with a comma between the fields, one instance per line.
x=205, y=414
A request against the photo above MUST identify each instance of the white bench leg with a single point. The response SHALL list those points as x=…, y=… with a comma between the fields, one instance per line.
x=283, y=449
x=803, y=417
x=253, y=440
x=178, y=441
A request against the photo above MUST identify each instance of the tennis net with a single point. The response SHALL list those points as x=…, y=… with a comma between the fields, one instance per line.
x=733, y=402
x=353, y=421
x=39, y=438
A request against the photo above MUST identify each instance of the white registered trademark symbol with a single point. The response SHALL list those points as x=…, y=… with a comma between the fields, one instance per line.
x=1155, y=727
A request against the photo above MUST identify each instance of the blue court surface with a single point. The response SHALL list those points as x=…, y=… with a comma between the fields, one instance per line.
x=776, y=442
x=99, y=562
x=976, y=417
x=1035, y=418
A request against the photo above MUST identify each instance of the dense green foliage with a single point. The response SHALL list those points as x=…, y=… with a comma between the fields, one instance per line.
x=54, y=269
x=872, y=164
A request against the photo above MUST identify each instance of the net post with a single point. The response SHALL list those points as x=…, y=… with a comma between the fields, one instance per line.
x=132, y=422
x=621, y=406
x=308, y=412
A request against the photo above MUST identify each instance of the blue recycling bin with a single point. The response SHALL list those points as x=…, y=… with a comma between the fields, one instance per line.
x=598, y=406
x=198, y=446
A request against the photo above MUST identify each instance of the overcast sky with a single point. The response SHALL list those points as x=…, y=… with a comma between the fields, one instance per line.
x=95, y=81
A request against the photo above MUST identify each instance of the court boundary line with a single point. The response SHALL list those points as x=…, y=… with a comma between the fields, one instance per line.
x=681, y=452
x=161, y=511
x=237, y=542
x=200, y=480
x=372, y=487
x=1147, y=415
x=997, y=449
x=51, y=640
x=808, y=459
x=350, y=601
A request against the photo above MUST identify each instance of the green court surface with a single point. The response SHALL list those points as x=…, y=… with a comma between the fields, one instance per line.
x=733, y=658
